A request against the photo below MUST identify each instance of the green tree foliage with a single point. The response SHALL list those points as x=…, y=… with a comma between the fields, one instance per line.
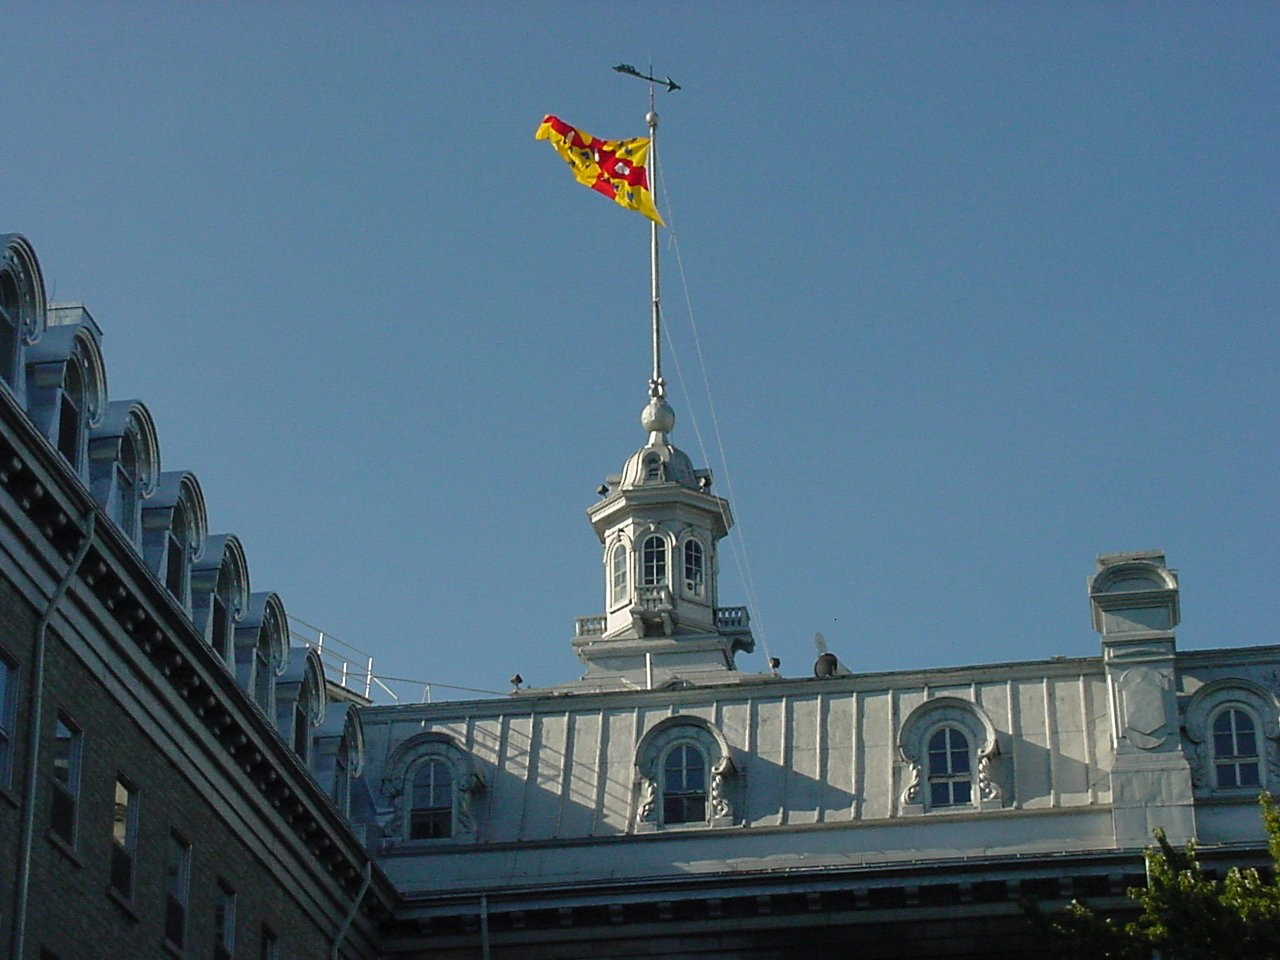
x=1184, y=914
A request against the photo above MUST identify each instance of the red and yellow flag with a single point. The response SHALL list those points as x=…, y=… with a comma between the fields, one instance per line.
x=616, y=168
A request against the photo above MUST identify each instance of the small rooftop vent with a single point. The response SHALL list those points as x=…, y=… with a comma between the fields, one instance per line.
x=825, y=667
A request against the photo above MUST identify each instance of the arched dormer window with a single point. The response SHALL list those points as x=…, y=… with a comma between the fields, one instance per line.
x=1233, y=725
x=1235, y=749
x=262, y=644
x=684, y=784
x=67, y=383
x=654, y=561
x=338, y=755
x=10, y=326
x=618, y=592
x=124, y=464
x=173, y=532
x=71, y=415
x=432, y=786
x=431, y=801
x=23, y=310
x=684, y=767
x=220, y=592
x=950, y=769
x=300, y=700
x=695, y=577
x=177, y=555
x=949, y=747
x=652, y=468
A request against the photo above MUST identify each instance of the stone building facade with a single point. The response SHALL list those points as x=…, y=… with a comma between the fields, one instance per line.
x=166, y=777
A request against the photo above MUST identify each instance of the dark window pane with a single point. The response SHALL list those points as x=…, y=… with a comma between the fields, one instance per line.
x=1223, y=746
x=69, y=430
x=960, y=791
x=430, y=824
x=960, y=761
x=175, y=916
x=1222, y=724
x=62, y=815
x=938, y=763
x=939, y=794
x=1248, y=774
x=121, y=870
x=175, y=567
x=1243, y=721
x=938, y=742
x=1246, y=745
x=1227, y=775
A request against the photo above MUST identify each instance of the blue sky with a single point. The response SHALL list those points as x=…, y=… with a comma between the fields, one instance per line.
x=983, y=290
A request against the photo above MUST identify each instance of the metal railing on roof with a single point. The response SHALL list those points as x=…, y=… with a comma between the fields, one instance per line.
x=352, y=668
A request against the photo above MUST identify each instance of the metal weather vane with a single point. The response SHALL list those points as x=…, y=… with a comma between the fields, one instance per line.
x=631, y=71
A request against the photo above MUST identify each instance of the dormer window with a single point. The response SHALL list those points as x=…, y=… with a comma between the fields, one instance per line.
x=126, y=506
x=684, y=785
x=653, y=468
x=950, y=777
x=220, y=616
x=1235, y=749
x=431, y=805
x=654, y=558
x=618, y=574
x=10, y=313
x=175, y=562
x=70, y=412
x=694, y=571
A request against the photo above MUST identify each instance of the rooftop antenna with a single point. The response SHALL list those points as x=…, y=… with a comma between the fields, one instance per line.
x=657, y=386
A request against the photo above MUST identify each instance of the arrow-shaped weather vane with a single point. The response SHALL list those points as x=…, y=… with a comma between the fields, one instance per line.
x=631, y=71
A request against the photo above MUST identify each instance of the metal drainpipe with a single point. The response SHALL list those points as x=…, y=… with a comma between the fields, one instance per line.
x=33, y=738
x=355, y=907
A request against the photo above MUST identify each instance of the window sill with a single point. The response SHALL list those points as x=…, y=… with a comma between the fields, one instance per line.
x=64, y=848
x=123, y=902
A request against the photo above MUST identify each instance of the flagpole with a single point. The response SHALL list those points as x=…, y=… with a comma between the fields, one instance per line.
x=657, y=386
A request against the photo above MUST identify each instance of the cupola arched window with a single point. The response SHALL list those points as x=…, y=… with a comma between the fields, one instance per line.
x=431, y=803
x=1235, y=749
x=654, y=561
x=684, y=785
x=950, y=772
x=653, y=468
x=694, y=571
x=618, y=574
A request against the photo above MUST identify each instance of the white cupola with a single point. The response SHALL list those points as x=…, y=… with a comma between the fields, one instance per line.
x=660, y=526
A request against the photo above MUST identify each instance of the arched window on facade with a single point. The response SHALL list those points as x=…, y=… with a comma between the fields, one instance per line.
x=684, y=785
x=618, y=574
x=1235, y=749
x=950, y=777
x=431, y=801
x=694, y=570
x=10, y=326
x=654, y=560
x=71, y=410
